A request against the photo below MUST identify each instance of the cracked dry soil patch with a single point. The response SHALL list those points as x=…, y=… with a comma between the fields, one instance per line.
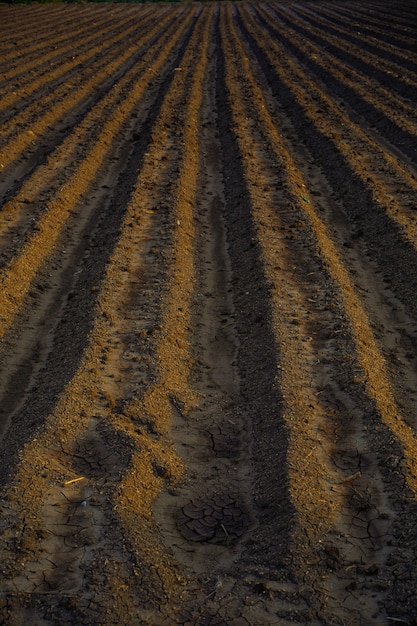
x=207, y=314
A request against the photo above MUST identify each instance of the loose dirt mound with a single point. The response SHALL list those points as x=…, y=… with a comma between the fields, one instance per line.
x=208, y=253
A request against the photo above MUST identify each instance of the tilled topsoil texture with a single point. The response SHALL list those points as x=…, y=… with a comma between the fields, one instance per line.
x=207, y=314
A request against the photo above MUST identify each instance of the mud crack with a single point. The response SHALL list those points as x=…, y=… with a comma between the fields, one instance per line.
x=219, y=520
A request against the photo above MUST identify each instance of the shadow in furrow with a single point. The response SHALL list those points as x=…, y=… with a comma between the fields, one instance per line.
x=258, y=352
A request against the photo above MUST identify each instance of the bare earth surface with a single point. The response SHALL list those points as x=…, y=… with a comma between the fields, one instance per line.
x=208, y=314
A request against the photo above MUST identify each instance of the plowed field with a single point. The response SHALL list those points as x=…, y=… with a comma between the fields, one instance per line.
x=208, y=314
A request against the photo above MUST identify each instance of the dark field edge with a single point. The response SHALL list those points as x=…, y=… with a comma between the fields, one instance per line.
x=386, y=127
x=383, y=77
x=357, y=40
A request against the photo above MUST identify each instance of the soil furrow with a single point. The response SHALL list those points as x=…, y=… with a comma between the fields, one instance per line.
x=390, y=405
x=269, y=586
x=208, y=516
x=348, y=54
x=406, y=439
x=73, y=87
x=118, y=70
x=386, y=20
x=380, y=11
x=371, y=29
x=208, y=313
x=374, y=17
x=126, y=422
x=379, y=173
x=51, y=52
x=48, y=241
x=367, y=224
x=398, y=16
x=54, y=169
x=341, y=512
x=62, y=68
x=33, y=367
x=390, y=306
x=29, y=21
x=18, y=62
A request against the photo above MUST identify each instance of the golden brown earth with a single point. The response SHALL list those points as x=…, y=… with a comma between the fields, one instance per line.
x=208, y=313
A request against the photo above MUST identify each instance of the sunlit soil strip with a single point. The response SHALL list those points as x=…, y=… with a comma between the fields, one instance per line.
x=329, y=120
x=140, y=486
x=370, y=359
x=389, y=66
x=65, y=101
x=16, y=278
x=381, y=99
x=44, y=53
x=174, y=350
x=92, y=42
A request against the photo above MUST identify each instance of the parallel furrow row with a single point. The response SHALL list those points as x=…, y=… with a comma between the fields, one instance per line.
x=365, y=27
x=56, y=105
x=388, y=17
x=19, y=272
x=159, y=209
x=51, y=70
x=377, y=379
x=58, y=43
x=300, y=441
x=208, y=269
x=54, y=33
